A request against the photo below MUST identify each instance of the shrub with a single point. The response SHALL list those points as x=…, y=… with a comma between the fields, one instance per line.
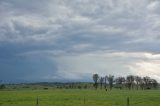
x=2, y=86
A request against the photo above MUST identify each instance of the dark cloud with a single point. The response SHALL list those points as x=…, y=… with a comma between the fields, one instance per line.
x=33, y=68
x=37, y=37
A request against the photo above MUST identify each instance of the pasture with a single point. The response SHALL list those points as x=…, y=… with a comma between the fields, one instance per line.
x=79, y=97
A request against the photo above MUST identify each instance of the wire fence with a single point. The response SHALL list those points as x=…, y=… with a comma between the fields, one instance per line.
x=129, y=102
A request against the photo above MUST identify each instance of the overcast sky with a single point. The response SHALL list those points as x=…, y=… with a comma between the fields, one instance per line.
x=57, y=40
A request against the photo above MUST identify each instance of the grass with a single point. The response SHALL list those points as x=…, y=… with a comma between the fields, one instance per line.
x=75, y=97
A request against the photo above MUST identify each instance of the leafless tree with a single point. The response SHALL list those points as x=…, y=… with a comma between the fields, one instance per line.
x=101, y=81
x=138, y=81
x=119, y=82
x=95, y=79
x=147, y=82
x=130, y=81
x=110, y=79
x=154, y=83
x=105, y=82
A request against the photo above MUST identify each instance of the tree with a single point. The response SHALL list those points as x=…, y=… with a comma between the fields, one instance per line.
x=95, y=79
x=2, y=86
x=110, y=79
x=105, y=82
x=130, y=81
x=138, y=81
x=101, y=80
x=119, y=82
x=147, y=82
x=141, y=83
x=154, y=83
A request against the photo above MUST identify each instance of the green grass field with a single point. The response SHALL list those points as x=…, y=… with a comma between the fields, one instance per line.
x=75, y=97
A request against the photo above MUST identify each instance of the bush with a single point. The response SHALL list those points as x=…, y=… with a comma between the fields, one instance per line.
x=2, y=86
x=85, y=86
x=45, y=88
x=79, y=87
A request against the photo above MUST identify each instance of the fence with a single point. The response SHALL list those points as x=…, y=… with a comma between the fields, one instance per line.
x=128, y=103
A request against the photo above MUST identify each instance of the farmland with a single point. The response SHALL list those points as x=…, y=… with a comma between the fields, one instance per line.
x=79, y=97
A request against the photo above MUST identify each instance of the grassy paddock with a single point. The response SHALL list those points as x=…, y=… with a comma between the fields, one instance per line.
x=75, y=97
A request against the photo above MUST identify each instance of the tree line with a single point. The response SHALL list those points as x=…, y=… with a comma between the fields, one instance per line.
x=128, y=82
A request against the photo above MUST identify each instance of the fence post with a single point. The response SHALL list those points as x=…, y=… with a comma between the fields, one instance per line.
x=127, y=101
x=37, y=101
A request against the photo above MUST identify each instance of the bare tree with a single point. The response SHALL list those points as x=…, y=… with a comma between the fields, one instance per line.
x=101, y=80
x=119, y=82
x=147, y=82
x=141, y=83
x=138, y=81
x=130, y=81
x=110, y=79
x=95, y=79
x=154, y=84
x=105, y=82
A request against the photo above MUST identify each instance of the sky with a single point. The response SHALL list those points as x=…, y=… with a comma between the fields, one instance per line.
x=70, y=40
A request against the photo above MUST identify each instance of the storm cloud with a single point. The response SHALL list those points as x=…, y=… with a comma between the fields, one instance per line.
x=53, y=40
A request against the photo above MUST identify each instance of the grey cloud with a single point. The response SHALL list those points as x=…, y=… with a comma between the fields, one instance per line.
x=71, y=28
x=115, y=14
x=98, y=23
